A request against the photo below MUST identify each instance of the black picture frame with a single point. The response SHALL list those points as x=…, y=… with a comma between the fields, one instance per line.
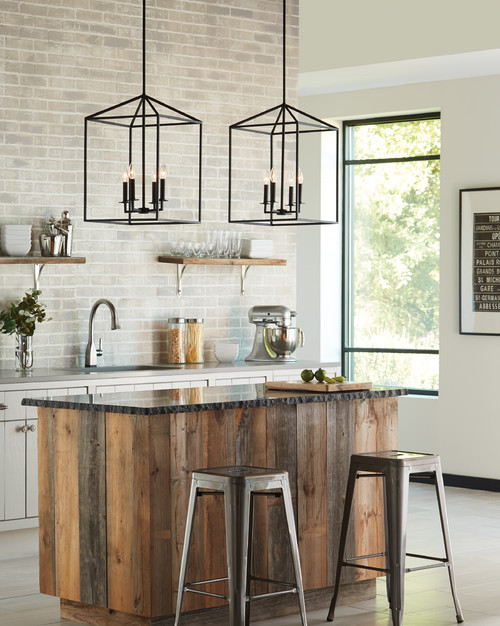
x=479, y=261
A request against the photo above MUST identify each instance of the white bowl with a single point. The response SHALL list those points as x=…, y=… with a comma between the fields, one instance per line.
x=17, y=249
x=226, y=351
x=14, y=238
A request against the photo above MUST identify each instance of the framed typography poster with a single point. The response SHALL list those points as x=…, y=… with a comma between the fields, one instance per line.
x=480, y=261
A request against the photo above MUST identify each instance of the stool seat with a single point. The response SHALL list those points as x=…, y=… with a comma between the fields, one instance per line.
x=239, y=474
x=398, y=458
x=239, y=483
x=395, y=468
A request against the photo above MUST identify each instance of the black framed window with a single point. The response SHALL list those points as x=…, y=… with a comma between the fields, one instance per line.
x=391, y=251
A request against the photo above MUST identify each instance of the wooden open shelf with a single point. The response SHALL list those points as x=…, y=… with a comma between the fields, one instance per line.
x=245, y=265
x=39, y=262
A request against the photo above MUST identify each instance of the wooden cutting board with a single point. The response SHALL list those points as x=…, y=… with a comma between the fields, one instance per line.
x=317, y=387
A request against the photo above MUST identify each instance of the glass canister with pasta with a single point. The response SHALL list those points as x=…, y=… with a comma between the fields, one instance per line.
x=195, y=340
x=176, y=340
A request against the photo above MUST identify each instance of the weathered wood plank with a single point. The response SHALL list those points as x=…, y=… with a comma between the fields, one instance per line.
x=340, y=445
x=186, y=454
x=251, y=449
x=281, y=454
x=161, y=522
x=219, y=435
x=66, y=511
x=92, y=508
x=128, y=513
x=312, y=492
x=46, y=516
x=375, y=429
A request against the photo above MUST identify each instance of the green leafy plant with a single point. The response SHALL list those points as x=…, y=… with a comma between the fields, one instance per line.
x=21, y=318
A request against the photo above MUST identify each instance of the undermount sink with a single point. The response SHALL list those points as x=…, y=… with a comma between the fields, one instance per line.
x=117, y=368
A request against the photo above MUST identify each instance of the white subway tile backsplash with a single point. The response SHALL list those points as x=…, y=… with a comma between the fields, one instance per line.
x=60, y=61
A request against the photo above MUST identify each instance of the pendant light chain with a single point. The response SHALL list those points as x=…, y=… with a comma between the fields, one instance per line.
x=284, y=51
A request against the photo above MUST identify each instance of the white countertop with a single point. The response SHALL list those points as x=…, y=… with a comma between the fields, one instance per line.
x=38, y=378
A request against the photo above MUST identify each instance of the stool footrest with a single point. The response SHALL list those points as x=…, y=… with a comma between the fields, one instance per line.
x=206, y=593
x=441, y=562
x=272, y=582
x=370, y=567
x=433, y=566
x=274, y=593
x=366, y=556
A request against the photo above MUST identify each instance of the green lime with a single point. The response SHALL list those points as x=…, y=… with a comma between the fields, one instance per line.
x=319, y=375
x=307, y=375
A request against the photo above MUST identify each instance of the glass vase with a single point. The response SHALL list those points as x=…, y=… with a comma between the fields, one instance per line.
x=24, y=353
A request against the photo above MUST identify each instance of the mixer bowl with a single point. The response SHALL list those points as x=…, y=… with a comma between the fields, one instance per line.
x=282, y=341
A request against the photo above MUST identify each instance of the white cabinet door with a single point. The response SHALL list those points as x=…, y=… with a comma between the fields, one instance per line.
x=15, y=469
x=3, y=406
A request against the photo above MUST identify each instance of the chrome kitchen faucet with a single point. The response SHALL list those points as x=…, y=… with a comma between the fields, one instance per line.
x=91, y=352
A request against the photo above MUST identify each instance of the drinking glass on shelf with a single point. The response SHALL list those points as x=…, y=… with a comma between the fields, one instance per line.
x=235, y=251
x=197, y=248
x=178, y=248
x=211, y=243
x=223, y=244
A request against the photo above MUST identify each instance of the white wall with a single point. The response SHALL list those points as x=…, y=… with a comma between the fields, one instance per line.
x=463, y=425
x=361, y=32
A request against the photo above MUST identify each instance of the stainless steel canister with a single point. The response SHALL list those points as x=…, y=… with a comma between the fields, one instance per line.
x=66, y=228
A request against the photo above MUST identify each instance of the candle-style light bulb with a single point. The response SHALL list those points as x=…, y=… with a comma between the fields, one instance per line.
x=273, y=185
x=131, y=177
x=154, y=187
x=125, y=185
x=266, y=188
x=163, y=176
x=300, y=180
x=290, y=190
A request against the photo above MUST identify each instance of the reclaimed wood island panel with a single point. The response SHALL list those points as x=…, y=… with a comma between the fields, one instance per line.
x=114, y=477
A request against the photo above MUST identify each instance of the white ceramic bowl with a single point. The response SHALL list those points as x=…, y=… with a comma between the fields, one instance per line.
x=18, y=249
x=16, y=238
x=226, y=351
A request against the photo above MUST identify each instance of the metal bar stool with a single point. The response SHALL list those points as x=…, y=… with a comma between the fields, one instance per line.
x=239, y=484
x=395, y=468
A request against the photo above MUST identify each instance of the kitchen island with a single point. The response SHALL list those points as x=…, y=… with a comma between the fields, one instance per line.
x=114, y=475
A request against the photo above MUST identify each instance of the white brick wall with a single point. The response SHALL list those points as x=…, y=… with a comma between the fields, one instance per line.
x=62, y=60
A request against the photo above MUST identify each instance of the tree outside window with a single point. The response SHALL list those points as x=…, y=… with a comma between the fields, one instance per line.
x=391, y=251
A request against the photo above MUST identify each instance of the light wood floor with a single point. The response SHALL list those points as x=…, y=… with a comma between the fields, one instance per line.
x=475, y=532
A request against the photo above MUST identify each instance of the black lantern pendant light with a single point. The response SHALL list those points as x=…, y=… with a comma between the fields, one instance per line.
x=293, y=142
x=127, y=176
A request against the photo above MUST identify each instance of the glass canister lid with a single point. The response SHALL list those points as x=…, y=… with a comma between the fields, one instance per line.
x=176, y=320
x=194, y=320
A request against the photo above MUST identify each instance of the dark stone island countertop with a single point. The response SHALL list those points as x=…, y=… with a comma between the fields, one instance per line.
x=200, y=399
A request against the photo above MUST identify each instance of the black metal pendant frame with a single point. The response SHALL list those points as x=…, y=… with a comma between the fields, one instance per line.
x=277, y=123
x=137, y=115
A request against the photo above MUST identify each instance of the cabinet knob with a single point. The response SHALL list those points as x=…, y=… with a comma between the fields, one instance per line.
x=22, y=429
x=3, y=407
x=32, y=428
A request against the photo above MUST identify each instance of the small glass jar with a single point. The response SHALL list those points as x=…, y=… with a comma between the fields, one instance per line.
x=176, y=340
x=195, y=340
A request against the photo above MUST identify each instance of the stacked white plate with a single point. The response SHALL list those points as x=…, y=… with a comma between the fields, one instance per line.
x=15, y=239
x=257, y=248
